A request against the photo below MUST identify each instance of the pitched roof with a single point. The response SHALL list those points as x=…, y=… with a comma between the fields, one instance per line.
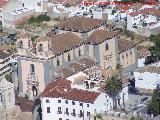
x=24, y=35
x=144, y=52
x=148, y=11
x=125, y=44
x=100, y=35
x=2, y=3
x=81, y=24
x=151, y=69
x=62, y=88
x=82, y=95
x=64, y=42
x=57, y=88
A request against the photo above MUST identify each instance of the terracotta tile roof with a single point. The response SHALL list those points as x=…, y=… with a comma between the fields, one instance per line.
x=123, y=7
x=64, y=42
x=100, y=35
x=64, y=72
x=57, y=88
x=79, y=79
x=144, y=52
x=25, y=104
x=62, y=88
x=2, y=3
x=105, y=73
x=125, y=44
x=82, y=95
x=81, y=24
x=51, y=34
x=24, y=35
x=148, y=11
x=151, y=69
x=43, y=38
x=76, y=67
x=87, y=62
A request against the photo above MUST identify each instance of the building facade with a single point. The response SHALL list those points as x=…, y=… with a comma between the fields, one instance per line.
x=74, y=45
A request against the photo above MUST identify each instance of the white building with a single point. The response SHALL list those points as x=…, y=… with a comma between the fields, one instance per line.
x=92, y=79
x=59, y=101
x=143, y=53
x=7, y=95
x=36, y=5
x=147, y=77
x=144, y=21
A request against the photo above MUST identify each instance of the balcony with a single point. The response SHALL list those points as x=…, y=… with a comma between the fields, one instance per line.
x=67, y=113
x=59, y=112
x=73, y=114
x=32, y=79
x=80, y=115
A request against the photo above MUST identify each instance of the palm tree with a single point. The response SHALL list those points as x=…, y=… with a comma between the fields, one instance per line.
x=113, y=86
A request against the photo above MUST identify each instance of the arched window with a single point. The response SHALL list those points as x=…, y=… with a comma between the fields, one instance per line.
x=69, y=57
x=1, y=98
x=58, y=62
x=79, y=52
x=40, y=48
x=32, y=69
x=29, y=43
x=20, y=45
x=107, y=47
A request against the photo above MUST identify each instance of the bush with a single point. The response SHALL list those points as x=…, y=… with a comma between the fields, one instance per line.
x=32, y=20
x=38, y=19
x=9, y=78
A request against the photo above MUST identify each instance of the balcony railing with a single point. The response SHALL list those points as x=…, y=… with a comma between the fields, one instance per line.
x=32, y=79
x=80, y=115
x=59, y=112
x=73, y=114
x=67, y=113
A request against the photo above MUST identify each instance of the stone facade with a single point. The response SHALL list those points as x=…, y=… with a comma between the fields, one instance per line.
x=7, y=95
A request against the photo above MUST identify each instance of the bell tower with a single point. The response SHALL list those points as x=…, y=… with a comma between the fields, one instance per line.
x=43, y=47
x=24, y=43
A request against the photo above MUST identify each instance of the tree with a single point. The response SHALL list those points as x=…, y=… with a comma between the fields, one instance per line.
x=155, y=50
x=9, y=78
x=153, y=106
x=136, y=118
x=113, y=86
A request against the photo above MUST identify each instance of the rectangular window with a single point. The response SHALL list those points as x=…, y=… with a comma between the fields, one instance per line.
x=60, y=118
x=66, y=102
x=48, y=110
x=32, y=69
x=107, y=47
x=73, y=103
x=59, y=101
x=81, y=104
x=47, y=101
x=87, y=105
x=88, y=114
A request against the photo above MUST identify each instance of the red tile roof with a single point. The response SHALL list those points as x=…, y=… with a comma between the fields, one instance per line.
x=57, y=88
x=144, y=52
x=81, y=24
x=99, y=36
x=2, y=3
x=125, y=44
x=147, y=11
x=82, y=95
x=62, y=88
x=64, y=42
